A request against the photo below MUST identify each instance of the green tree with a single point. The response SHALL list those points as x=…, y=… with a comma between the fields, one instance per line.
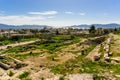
x=92, y=29
x=57, y=32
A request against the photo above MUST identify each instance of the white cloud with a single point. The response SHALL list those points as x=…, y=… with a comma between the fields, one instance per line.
x=69, y=12
x=24, y=19
x=82, y=14
x=18, y=20
x=44, y=13
x=20, y=17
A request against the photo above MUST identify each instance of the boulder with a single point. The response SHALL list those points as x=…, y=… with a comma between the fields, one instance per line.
x=4, y=66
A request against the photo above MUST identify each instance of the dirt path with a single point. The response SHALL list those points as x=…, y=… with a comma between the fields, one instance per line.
x=17, y=44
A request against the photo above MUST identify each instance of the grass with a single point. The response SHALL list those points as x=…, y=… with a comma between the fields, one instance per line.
x=15, y=49
x=18, y=49
x=79, y=65
x=7, y=41
x=116, y=54
x=61, y=37
x=24, y=75
x=101, y=51
x=51, y=47
x=29, y=39
x=74, y=65
x=82, y=66
x=24, y=56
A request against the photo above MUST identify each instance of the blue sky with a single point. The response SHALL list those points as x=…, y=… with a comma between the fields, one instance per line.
x=59, y=12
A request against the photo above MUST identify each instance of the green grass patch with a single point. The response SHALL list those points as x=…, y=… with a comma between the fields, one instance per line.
x=61, y=37
x=51, y=46
x=24, y=56
x=29, y=39
x=101, y=50
x=59, y=40
x=116, y=55
x=8, y=41
x=15, y=49
x=18, y=49
x=24, y=75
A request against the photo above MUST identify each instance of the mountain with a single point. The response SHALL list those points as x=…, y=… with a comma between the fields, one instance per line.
x=4, y=26
x=85, y=26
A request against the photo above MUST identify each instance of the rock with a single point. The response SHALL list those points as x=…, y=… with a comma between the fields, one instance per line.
x=105, y=55
x=110, y=54
x=80, y=77
x=96, y=58
x=116, y=60
x=4, y=66
x=15, y=60
x=117, y=76
x=12, y=64
x=107, y=59
x=2, y=56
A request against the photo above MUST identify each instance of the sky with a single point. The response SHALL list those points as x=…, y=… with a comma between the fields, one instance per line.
x=59, y=12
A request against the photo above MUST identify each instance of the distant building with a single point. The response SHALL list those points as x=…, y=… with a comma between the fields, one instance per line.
x=7, y=33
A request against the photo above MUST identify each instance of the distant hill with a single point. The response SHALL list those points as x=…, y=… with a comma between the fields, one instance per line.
x=4, y=26
x=112, y=25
